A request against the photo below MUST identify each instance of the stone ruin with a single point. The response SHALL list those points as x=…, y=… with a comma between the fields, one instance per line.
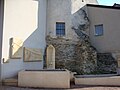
x=77, y=56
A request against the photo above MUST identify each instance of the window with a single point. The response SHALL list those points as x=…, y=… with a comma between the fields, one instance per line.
x=60, y=28
x=99, y=30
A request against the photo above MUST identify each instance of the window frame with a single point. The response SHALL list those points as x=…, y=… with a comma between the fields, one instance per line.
x=102, y=33
x=61, y=29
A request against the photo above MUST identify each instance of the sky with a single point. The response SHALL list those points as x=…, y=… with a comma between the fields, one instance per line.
x=108, y=2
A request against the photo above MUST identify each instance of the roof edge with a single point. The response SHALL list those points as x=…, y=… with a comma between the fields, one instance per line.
x=102, y=6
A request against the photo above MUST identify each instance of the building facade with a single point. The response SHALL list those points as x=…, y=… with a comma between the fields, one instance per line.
x=71, y=27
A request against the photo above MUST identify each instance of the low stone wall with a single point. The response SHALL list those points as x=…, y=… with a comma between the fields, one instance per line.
x=100, y=80
x=10, y=82
x=44, y=79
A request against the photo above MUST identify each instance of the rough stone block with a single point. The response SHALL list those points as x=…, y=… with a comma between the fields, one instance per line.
x=32, y=54
x=44, y=79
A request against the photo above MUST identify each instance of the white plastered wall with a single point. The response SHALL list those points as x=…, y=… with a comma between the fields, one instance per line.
x=110, y=40
x=64, y=11
x=25, y=19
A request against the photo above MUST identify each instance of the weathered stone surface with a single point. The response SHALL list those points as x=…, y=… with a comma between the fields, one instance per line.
x=106, y=63
x=32, y=54
x=50, y=59
x=74, y=56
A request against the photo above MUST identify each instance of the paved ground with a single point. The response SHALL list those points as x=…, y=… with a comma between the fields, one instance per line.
x=72, y=88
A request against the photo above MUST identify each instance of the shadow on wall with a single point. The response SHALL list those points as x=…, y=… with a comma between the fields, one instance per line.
x=35, y=42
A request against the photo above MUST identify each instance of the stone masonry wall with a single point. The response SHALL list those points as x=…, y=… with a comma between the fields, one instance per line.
x=75, y=55
x=78, y=56
x=106, y=64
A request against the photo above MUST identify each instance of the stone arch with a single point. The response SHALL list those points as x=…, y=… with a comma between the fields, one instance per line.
x=50, y=60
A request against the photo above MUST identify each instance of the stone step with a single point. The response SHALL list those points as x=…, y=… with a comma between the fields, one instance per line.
x=10, y=82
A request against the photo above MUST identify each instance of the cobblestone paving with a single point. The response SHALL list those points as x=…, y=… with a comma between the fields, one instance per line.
x=72, y=88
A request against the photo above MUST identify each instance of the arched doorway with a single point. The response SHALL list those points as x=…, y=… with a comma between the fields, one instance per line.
x=50, y=57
